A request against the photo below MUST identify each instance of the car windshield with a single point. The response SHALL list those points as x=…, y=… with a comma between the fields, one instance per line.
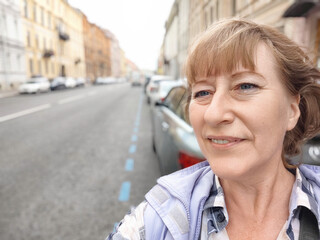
x=165, y=87
x=31, y=82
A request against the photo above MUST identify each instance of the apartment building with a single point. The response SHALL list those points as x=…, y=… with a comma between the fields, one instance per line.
x=115, y=54
x=97, y=51
x=12, y=65
x=53, y=36
x=171, y=43
x=298, y=19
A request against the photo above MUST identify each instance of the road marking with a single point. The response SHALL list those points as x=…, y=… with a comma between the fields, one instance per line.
x=92, y=93
x=135, y=129
x=129, y=164
x=24, y=112
x=125, y=191
x=132, y=148
x=134, y=138
x=71, y=99
x=115, y=226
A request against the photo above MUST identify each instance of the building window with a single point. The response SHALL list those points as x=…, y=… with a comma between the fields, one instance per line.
x=39, y=67
x=8, y=62
x=49, y=20
x=37, y=41
x=28, y=39
x=217, y=8
x=31, y=66
x=234, y=7
x=26, y=8
x=18, y=65
x=35, y=12
x=46, y=66
x=16, y=30
x=42, y=17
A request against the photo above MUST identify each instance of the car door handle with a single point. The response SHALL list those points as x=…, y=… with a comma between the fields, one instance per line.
x=165, y=126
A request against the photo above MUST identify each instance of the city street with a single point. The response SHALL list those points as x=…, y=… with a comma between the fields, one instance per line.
x=73, y=162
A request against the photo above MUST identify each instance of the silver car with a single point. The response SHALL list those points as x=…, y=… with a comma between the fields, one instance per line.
x=174, y=141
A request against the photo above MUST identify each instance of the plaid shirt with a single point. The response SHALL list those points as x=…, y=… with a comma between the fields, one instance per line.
x=215, y=216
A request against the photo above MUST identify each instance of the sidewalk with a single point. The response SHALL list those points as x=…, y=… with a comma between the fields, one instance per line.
x=8, y=93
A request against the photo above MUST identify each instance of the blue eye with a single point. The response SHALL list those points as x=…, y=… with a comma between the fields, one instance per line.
x=247, y=86
x=201, y=94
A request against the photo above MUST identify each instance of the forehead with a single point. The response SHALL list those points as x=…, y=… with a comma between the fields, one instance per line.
x=260, y=62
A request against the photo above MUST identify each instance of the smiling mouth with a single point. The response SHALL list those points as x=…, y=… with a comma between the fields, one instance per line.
x=224, y=141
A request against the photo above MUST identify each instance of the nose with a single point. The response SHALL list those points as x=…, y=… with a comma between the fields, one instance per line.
x=220, y=110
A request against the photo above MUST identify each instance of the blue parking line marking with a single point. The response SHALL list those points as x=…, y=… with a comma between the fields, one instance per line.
x=135, y=129
x=115, y=226
x=134, y=138
x=129, y=164
x=125, y=192
x=132, y=148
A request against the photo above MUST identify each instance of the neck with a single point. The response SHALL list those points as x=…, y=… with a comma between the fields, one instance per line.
x=255, y=197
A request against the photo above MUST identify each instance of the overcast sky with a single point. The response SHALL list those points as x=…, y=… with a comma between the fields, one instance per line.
x=138, y=25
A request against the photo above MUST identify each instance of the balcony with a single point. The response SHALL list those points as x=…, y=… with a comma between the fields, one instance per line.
x=48, y=53
x=64, y=36
x=77, y=61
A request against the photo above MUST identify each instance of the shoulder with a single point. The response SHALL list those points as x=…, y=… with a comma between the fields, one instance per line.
x=132, y=225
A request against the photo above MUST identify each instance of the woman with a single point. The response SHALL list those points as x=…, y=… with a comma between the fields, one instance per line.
x=254, y=99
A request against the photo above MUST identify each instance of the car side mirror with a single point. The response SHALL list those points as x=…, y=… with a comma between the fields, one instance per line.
x=160, y=103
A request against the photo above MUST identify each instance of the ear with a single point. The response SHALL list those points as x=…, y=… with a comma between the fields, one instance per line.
x=294, y=112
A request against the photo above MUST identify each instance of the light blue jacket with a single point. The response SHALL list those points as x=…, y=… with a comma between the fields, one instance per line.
x=175, y=204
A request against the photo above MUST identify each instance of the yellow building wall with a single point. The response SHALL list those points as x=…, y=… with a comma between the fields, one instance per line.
x=41, y=22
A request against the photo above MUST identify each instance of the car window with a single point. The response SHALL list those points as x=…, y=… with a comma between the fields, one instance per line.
x=180, y=111
x=174, y=97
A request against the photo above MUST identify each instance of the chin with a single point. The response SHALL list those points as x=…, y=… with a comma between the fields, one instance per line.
x=233, y=169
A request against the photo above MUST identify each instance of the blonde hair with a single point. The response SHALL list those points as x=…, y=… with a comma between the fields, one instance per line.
x=233, y=42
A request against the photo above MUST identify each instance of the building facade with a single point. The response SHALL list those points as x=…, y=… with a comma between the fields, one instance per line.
x=53, y=36
x=12, y=54
x=97, y=51
x=115, y=54
x=171, y=43
x=298, y=19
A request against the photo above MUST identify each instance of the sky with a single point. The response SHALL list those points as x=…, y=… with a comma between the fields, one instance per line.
x=137, y=24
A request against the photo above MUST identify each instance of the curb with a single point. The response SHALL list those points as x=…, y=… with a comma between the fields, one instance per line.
x=8, y=94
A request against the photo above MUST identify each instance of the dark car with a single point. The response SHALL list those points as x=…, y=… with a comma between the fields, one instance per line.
x=173, y=138
x=310, y=153
x=58, y=83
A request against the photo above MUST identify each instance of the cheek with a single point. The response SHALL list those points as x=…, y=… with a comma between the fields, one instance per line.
x=195, y=116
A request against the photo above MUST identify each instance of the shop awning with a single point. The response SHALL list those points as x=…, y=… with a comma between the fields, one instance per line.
x=300, y=7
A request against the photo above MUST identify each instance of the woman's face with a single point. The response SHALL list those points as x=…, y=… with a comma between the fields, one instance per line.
x=240, y=119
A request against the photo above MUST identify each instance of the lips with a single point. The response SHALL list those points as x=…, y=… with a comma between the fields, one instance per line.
x=224, y=140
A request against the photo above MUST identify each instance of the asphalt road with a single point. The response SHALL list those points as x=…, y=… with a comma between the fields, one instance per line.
x=73, y=162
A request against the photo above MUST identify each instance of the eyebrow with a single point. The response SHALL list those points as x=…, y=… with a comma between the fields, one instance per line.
x=243, y=73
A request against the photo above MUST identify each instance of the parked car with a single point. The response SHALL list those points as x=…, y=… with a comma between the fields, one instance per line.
x=173, y=138
x=35, y=84
x=80, y=82
x=105, y=80
x=99, y=80
x=163, y=87
x=153, y=85
x=310, y=153
x=70, y=82
x=58, y=83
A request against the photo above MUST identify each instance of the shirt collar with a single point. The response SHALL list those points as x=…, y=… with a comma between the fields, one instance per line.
x=217, y=215
x=302, y=195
